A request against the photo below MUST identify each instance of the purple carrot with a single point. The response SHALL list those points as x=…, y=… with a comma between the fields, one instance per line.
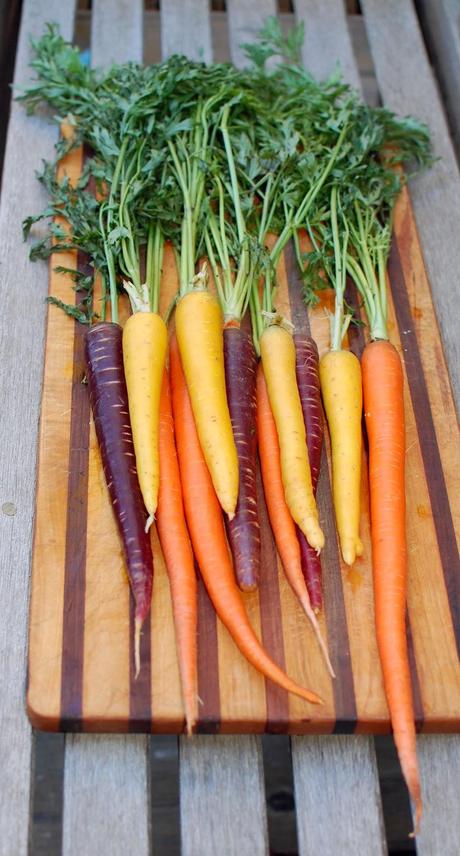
x=109, y=403
x=312, y=571
x=307, y=370
x=240, y=378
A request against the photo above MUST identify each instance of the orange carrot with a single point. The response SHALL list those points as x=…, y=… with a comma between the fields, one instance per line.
x=178, y=554
x=205, y=523
x=384, y=413
x=281, y=521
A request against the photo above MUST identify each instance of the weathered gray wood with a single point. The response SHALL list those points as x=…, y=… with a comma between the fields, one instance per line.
x=116, y=31
x=221, y=796
x=332, y=816
x=439, y=758
x=406, y=83
x=337, y=796
x=221, y=778
x=327, y=39
x=106, y=799
x=441, y=20
x=106, y=794
x=186, y=28
x=22, y=290
x=244, y=22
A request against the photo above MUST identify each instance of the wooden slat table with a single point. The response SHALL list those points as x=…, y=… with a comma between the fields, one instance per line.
x=106, y=782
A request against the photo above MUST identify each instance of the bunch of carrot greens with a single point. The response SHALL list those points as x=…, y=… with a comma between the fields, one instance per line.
x=230, y=166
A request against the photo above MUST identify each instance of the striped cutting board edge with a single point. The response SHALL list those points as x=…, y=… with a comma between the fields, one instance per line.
x=81, y=675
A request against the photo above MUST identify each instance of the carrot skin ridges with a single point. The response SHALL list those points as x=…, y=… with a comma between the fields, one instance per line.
x=341, y=387
x=277, y=351
x=145, y=340
x=179, y=559
x=283, y=526
x=312, y=571
x=307, y=372
x=199, y=324
x=109, y=404
x=384, y=413
x=207, y=532
x=240, y=379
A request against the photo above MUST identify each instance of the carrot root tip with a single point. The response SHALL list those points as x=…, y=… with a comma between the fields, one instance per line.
x=137, y=646
x=317, y=630
x=418, y=817
x=149, y=521
x=231, y=515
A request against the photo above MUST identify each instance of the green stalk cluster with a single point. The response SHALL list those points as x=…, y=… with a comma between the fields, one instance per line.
x=215, y=160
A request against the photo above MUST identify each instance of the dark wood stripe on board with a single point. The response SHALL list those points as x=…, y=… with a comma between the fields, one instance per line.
x=334, y=602
x=76, y=525
x=270, y=618
x=357, y=345
x=419, y=713
x=442, y=516
x=140, y=688
x=208, y=664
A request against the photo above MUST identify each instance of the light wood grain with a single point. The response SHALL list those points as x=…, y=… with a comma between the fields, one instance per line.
x=441, y=25
x=440, y=771
x=221, y=783
x=116, y=31
x=99, y=769
x=186, y=29
x=348, y=615
x=245, y=20
x=106, y=798
x=47, y=594
x=318, y=833
x=426, y=592
x=337, y=796
x=327, y=39
x=221, y=795
x=406, y=83
x=378, y=851
x=357, y=695
x=22, y=290
x=106, y=641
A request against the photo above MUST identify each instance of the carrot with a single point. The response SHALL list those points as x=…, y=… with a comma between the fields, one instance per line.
x=145, y=340
x=340, y=375
x=281, y=521
x=199, y=334
x=109, y=403
x=240, y=377
x=277, y=351
x=312, y=571
x=178, y=554
x=384, y=414
x=307, y=372
x=341, y=388
x=207, y=532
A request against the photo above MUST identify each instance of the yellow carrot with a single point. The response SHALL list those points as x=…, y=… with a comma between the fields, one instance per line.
x=145, y=339
x=341, y=388
x=199, y=334
x=278, y=355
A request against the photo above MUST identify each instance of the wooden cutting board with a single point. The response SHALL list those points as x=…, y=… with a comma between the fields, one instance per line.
x=81, y=619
